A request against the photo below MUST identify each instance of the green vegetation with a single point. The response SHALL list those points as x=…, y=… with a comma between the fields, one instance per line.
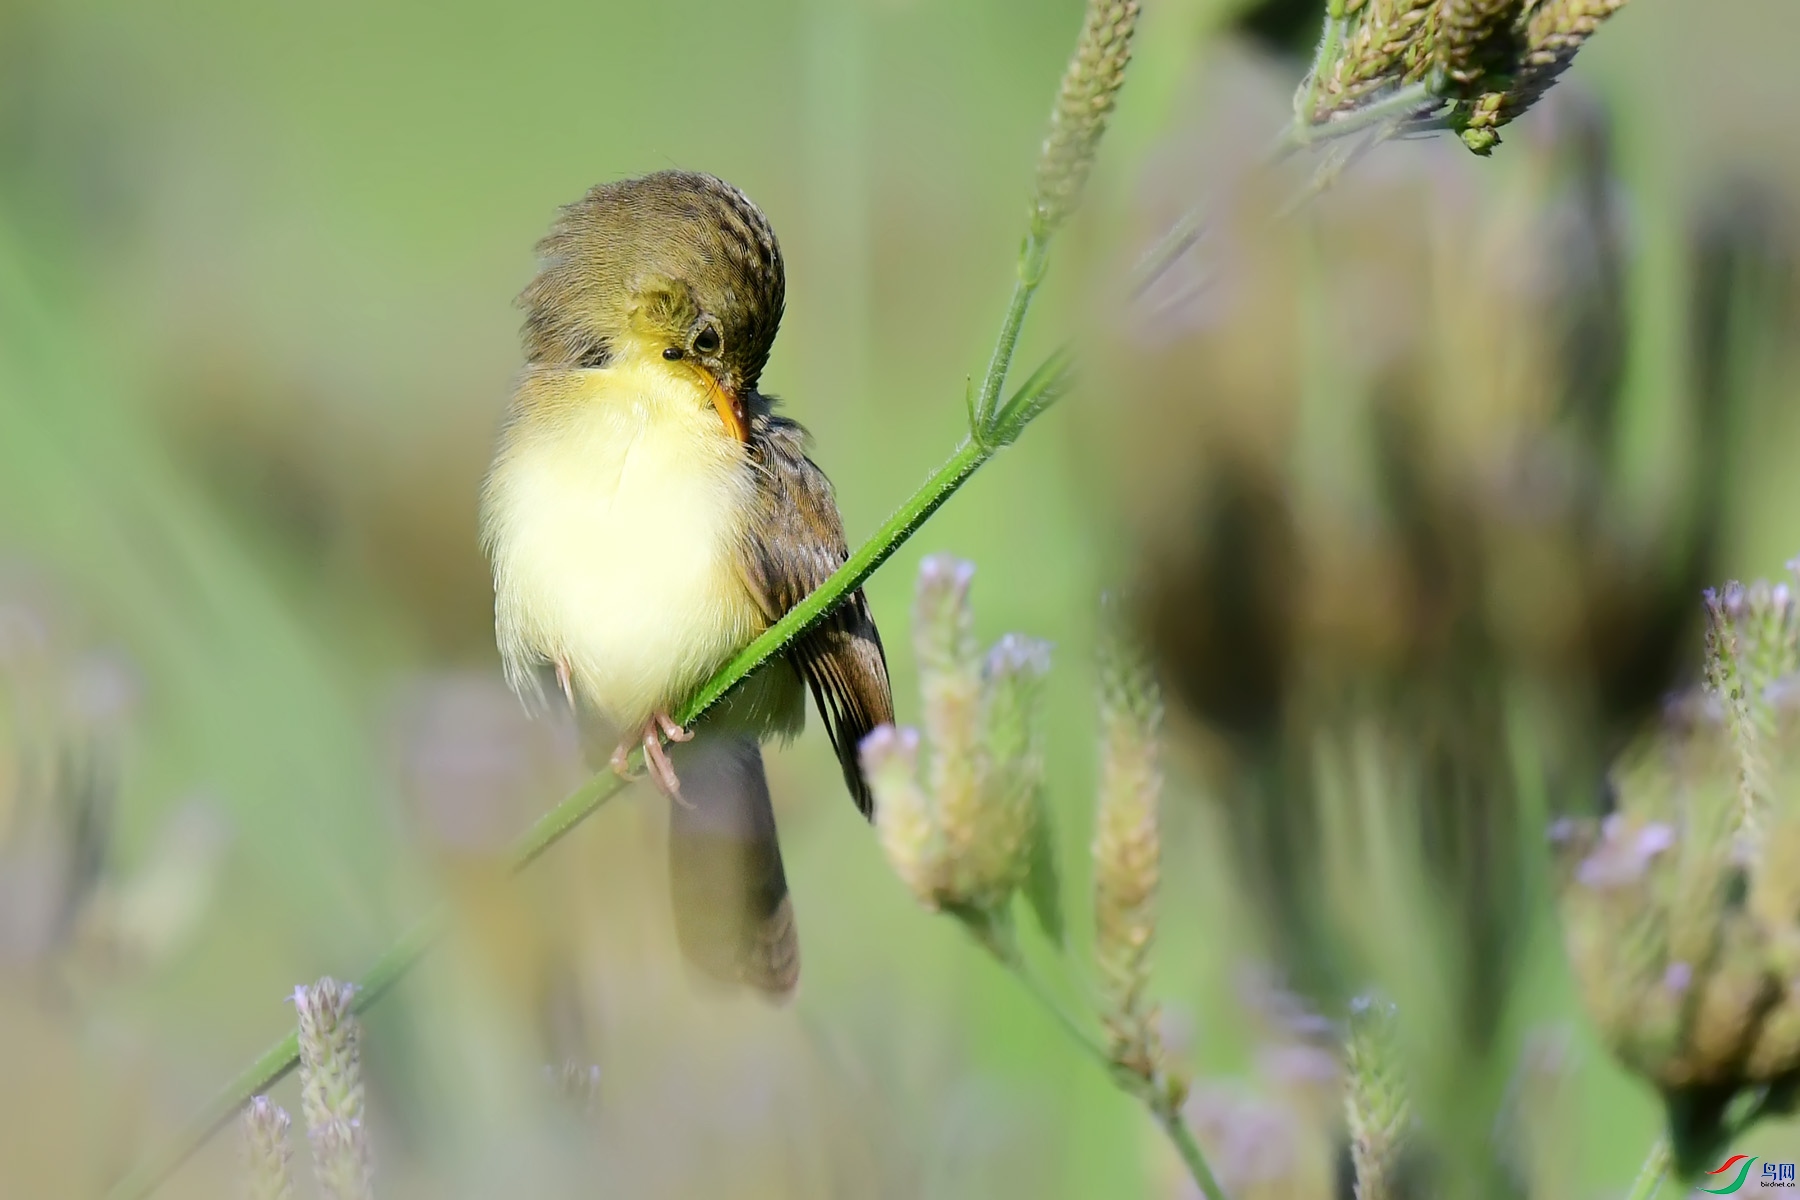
x=253, y=340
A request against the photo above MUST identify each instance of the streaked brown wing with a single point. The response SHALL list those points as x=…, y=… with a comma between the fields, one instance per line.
x=797, y=542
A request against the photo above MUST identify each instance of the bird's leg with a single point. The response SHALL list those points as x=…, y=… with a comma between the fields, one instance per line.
x=564, y=681
x=656, y=760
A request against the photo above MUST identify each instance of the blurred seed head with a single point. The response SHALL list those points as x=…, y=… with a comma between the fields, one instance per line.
x=331, y=1089
x=1487, y=60
x=950, y=693
x=1377, y=1111
x=1437, y=523
x=340, y=1152
x=905, y=815
x=330, y=1051
x=1747, y=649
x=1682, y=917
x=1090, y=87
x=268, y=1155
x=943, y=621
x=1377, y=567
x=1127, y=854
x=1010, y=766
x=962, y=836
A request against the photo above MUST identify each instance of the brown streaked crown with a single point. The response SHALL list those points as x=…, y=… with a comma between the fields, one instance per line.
x=673, y=253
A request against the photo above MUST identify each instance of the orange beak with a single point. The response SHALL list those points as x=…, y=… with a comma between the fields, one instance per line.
x=731, y=411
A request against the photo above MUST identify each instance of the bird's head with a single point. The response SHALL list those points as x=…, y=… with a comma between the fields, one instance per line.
x=676, y=265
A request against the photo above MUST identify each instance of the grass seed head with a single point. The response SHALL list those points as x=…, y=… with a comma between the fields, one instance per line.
x=1127, y=854
x=961, y=832
x=331, y=1090
x=1090, y=87
x=1388, y=45
x=905, y=817
x=1377, y=1112
x=1682, y=917
x=267, y=1152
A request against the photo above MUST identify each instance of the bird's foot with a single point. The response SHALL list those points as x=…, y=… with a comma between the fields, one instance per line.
x=670, y=729
x=656, y=759
x=621, y=760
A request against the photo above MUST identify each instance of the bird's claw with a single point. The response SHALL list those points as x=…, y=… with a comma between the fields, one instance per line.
x=621, y=762
x=656, y=760
x=670, y=730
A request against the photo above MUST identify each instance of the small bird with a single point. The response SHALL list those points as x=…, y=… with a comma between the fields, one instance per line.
x=647, y=515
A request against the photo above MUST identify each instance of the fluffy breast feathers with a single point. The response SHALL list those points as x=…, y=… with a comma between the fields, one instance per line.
x=614, y=517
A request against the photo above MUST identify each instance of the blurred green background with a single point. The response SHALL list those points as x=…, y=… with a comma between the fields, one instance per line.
x=256, y=273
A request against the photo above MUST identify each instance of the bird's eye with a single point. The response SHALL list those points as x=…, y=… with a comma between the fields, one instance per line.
x=707, y=341
x=673, y=353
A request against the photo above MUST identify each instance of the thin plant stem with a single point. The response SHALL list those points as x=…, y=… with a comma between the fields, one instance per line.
x=1650, y=1176
x=1157, y=1097
x=556, y=824
x=1751, y=1108
x=1168, y=1115
x=892, y=534
x=1047, y=1000
x=1169, y=249
x=1398, y=105
x=1032, y=258
x=1323, y=58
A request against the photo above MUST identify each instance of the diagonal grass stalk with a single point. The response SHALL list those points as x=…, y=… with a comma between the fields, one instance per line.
x=1650, y=1176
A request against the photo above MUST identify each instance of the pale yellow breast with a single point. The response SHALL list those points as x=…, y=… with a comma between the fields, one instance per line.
x=612, y=516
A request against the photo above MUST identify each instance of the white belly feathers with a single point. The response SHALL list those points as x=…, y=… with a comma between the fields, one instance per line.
x=613, y=518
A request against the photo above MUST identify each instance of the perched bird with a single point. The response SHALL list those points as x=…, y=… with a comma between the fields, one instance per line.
x=647, y=515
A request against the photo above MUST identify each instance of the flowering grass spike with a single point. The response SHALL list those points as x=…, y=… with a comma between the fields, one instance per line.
x=331, y=1091
x=267, y=1152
